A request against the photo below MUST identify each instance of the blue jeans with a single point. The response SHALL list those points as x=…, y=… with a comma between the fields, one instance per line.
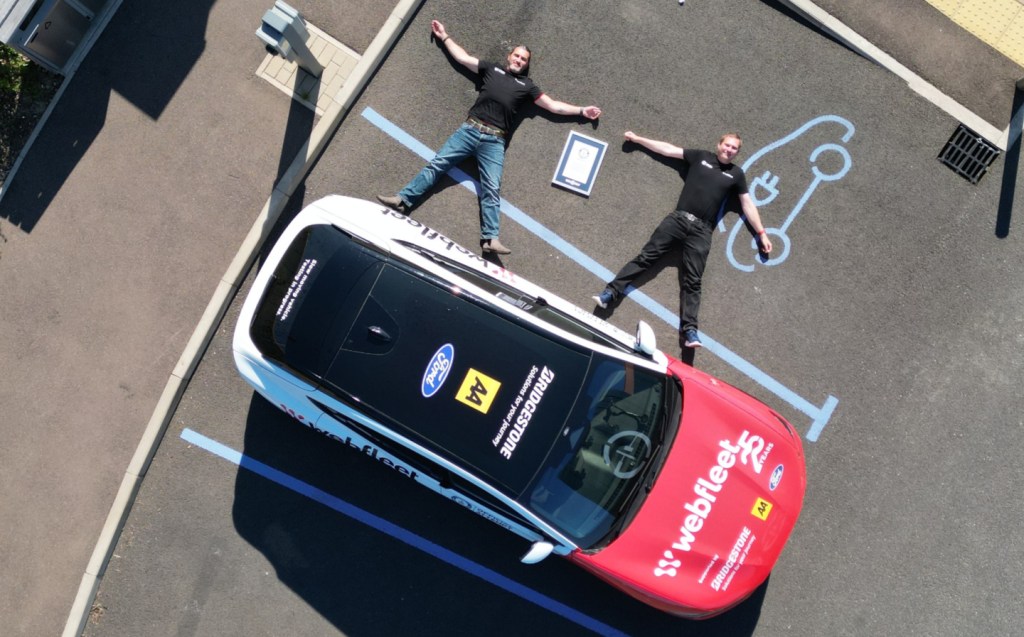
x=489, y=151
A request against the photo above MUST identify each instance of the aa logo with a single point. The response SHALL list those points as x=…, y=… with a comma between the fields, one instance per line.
x=478, y=391
x=762, y=509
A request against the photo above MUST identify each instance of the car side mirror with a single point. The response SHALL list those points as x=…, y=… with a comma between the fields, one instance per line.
x=538, y=552
x=645, y=343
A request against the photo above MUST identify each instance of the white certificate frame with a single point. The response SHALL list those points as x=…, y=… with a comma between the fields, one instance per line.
x=579, y=163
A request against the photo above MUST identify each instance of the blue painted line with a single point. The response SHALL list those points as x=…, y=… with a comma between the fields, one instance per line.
x=393, y=530
x=819, y=415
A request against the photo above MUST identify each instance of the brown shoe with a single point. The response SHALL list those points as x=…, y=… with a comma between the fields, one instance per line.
x=395, y=203
x=495, y=246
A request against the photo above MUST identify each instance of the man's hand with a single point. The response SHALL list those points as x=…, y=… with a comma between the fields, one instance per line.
x=457, y=52
x=660, y=147
x=438, y=30
x=591, y=112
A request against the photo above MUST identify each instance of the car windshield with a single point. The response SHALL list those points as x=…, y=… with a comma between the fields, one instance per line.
x=309, y=295
x=605, y=452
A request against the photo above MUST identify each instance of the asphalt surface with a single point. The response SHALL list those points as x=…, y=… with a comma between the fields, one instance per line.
x=898, y=298
x=924, y=40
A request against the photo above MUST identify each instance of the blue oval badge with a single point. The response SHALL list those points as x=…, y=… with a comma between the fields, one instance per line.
x=776, y=478
x=437, y=370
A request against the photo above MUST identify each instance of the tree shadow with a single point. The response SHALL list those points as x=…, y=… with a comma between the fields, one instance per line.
x=787, y=9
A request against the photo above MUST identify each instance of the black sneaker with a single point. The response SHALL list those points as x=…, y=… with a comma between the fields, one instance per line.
x=395, y=203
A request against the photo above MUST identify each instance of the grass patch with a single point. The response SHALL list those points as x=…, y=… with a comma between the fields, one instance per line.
x=25, y=91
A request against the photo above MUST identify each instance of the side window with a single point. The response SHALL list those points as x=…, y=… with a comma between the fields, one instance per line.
x=534, y=306
x=571, y=325
x=493, y=286
x=386, y=444
x=488, y=500
x=445, y=477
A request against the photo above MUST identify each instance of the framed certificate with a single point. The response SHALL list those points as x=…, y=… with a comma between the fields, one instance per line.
x=580, y=161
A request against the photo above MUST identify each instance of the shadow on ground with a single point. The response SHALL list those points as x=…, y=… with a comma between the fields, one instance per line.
x=364, y=582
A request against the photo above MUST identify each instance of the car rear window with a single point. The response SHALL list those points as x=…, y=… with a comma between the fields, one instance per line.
x=319, y=284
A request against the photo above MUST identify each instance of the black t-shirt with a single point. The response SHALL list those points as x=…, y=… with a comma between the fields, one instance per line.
x=708, y=183
x=501, y=94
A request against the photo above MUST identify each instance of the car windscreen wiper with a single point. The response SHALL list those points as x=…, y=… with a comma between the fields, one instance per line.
x=671, y=410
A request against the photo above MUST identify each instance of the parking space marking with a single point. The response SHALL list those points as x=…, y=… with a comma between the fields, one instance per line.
x=819, y=415
x=396, y=532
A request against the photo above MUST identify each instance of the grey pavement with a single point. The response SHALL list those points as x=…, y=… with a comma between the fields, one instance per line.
x=924, y=40
x=132, y=203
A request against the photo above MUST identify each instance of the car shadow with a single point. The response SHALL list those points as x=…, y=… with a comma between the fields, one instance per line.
x=333, y=532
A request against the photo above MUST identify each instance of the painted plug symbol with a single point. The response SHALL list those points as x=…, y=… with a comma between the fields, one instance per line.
x=768, y=182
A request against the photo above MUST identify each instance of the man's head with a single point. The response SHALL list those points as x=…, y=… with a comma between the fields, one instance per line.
x=728, y=147
x=518, y=60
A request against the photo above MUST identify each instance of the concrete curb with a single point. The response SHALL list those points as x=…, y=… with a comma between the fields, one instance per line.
x=919, y=85
x=227, y=287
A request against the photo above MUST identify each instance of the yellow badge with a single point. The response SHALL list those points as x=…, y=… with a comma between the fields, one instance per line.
x=762, y=509
x=478, y=391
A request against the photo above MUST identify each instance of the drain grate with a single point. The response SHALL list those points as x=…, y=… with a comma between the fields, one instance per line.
x=968, y=154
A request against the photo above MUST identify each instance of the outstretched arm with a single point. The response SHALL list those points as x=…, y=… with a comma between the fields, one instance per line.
x=563, y=108
x=660, y=147
x=750, y=210
x=461, y=56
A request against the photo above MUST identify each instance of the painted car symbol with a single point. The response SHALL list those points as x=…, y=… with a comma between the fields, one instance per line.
x=766, y=186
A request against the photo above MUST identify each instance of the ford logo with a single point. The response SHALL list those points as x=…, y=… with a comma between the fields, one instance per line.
x=776, y=478
x=437, y=370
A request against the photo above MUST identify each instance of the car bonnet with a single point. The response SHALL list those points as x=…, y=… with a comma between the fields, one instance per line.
x=719, y=512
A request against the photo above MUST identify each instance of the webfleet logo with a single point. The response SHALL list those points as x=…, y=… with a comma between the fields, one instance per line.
x=748, y=450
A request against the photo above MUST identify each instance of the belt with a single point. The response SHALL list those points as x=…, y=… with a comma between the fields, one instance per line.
x=694, y=218
x=484, y=128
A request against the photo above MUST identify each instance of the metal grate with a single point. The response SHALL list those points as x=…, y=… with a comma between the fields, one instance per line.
x=968, y=154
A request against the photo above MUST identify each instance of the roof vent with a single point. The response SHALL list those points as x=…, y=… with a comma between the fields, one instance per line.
x=968, y=154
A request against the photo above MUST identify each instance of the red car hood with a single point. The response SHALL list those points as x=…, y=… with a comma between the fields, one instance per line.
x=720, y=510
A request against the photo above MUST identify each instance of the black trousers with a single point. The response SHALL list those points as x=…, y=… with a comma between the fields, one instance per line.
x=674, y=231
